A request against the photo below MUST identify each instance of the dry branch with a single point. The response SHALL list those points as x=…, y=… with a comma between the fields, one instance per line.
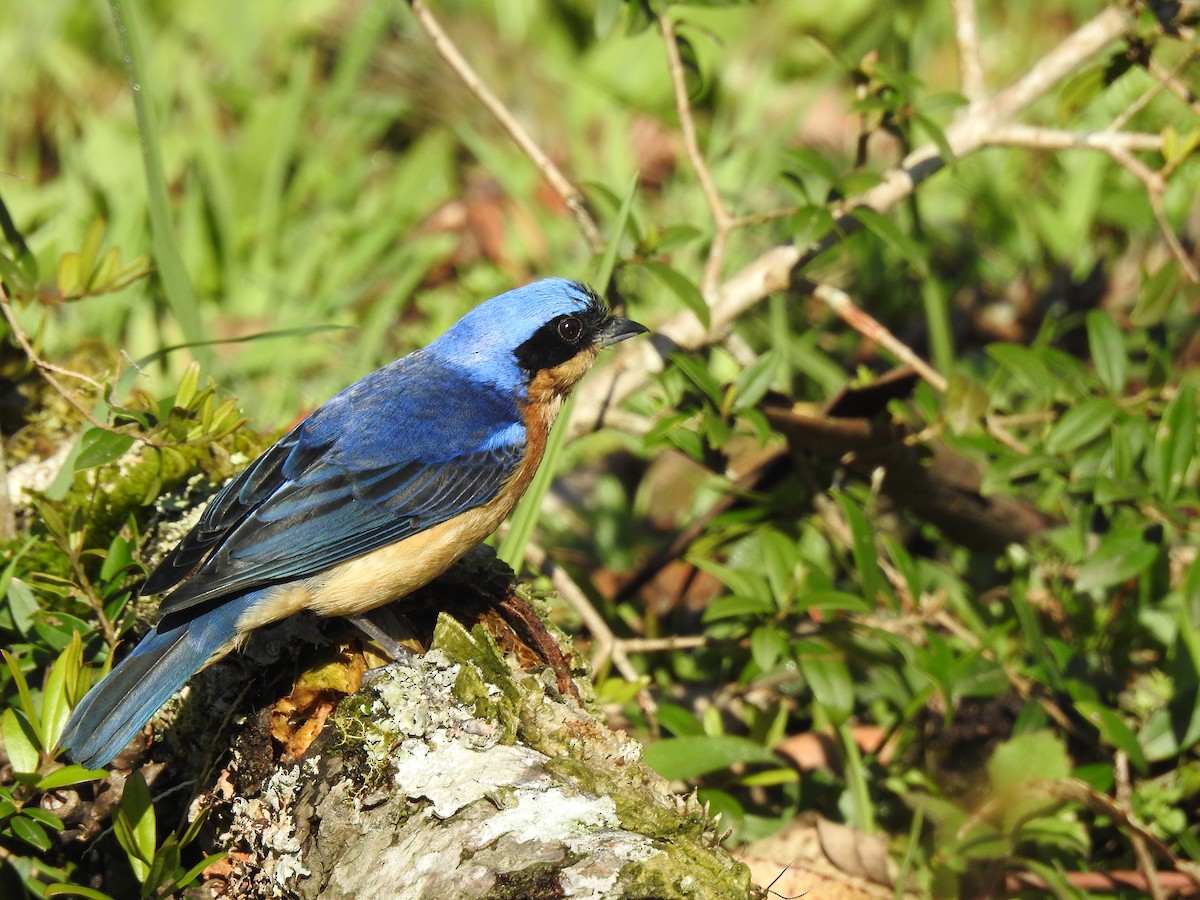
x=983, y=124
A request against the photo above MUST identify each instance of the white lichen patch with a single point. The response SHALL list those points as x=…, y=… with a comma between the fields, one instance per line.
x=266, y=826
x=414, y=706
x=34, y=476
x=451, y=775
x=586, y=825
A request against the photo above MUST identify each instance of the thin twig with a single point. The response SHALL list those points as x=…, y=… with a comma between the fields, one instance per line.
x=761, y=218
x=970, y=59
x=43, y=365
x=774, y=270
x=48, y=370
x=723, y=222
x=1156, y=187
x=570, y=194
x=607, y=645
x=869, y=327
x=664, y=644
x=1033, y=136
x=1124, y=794
x=1169, y=78
x=93, y=601
x=1164, y=80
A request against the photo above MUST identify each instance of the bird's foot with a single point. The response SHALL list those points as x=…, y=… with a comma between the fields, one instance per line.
x=390, y=646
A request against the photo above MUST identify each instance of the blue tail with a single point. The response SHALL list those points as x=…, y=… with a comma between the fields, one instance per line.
x=115, y=710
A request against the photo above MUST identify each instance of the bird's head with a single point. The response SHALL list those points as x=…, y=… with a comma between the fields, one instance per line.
x=539, y=339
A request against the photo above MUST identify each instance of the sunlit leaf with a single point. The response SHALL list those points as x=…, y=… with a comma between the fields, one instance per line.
x=1108, y=350
x=682, y=287
x=889, y=232
x=134, y=825
x=20, y=742
x=1175, y=443
x=100, y=446
x=691, y=756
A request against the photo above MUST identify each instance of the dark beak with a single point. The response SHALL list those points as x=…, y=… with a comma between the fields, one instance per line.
x=617, y=329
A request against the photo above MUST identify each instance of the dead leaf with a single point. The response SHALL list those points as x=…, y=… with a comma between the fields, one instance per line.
x=297, y=719
x=856, y=852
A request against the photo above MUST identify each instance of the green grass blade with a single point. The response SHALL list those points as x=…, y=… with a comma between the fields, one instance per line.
x=167, y=258
x=525, y=516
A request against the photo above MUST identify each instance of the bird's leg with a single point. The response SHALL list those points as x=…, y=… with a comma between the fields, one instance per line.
x=369, y=627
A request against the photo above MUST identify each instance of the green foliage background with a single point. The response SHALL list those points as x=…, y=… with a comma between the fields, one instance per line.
x=332, y=197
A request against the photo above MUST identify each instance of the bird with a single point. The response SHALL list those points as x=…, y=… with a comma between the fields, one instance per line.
x=370, y=497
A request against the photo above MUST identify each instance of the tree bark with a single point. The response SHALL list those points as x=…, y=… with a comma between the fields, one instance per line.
x=452, y=774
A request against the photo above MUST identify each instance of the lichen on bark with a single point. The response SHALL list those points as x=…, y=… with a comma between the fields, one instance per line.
x=456, y=775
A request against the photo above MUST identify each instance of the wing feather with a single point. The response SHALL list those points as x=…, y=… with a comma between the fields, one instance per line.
x=343, y=483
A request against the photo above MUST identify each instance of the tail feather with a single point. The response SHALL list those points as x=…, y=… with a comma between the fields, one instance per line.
x=117, y=708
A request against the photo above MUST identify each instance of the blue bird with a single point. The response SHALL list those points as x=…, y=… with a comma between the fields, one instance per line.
x=372, y=496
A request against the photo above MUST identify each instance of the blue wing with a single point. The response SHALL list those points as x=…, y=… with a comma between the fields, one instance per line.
x=406, y=448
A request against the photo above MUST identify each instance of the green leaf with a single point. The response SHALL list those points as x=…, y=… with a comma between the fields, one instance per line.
x=675, y=236
x=167, y=254
x=195, y=871
x=74, y=890
x=46, y=818
x=679, y=721
x=737, y=605
x=833, y=600
x=618, y=691
x=1108, y=351
x=134, y=825
x=682, y=287
x=1120, y=557
x=189, y=386
x=1080, y=90
x=193, y=829
x=30, y=832
x=69, y=775
x=889, y=232
x=118, y=557
x=779, y=561
x=863, y=546
x=22, y=603
x=1157, y=293
x=100, y=446
x=1175, y=443
x=682, y=758
x=62, y=684
x=20, y=742
x=829, y=680
x=697, y=373
x=166, y=861
x=756, y=380
x=27, y=705
x=739, y=580
x=68, y=278
x=1027, y=368
x=1081, y=425
x=1023, y=758
x=767, y=646
x=1171, y=730
x=608, y=261
x=605, y=17
x=1114, y=731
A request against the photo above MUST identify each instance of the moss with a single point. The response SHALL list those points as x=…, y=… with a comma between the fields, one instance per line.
x=482, y=665
x=418, y=725
x=681, y=873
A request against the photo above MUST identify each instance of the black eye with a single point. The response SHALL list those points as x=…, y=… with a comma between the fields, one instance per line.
x=570, y=329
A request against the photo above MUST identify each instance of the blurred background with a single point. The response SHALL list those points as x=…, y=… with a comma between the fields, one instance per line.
x=899, y=657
